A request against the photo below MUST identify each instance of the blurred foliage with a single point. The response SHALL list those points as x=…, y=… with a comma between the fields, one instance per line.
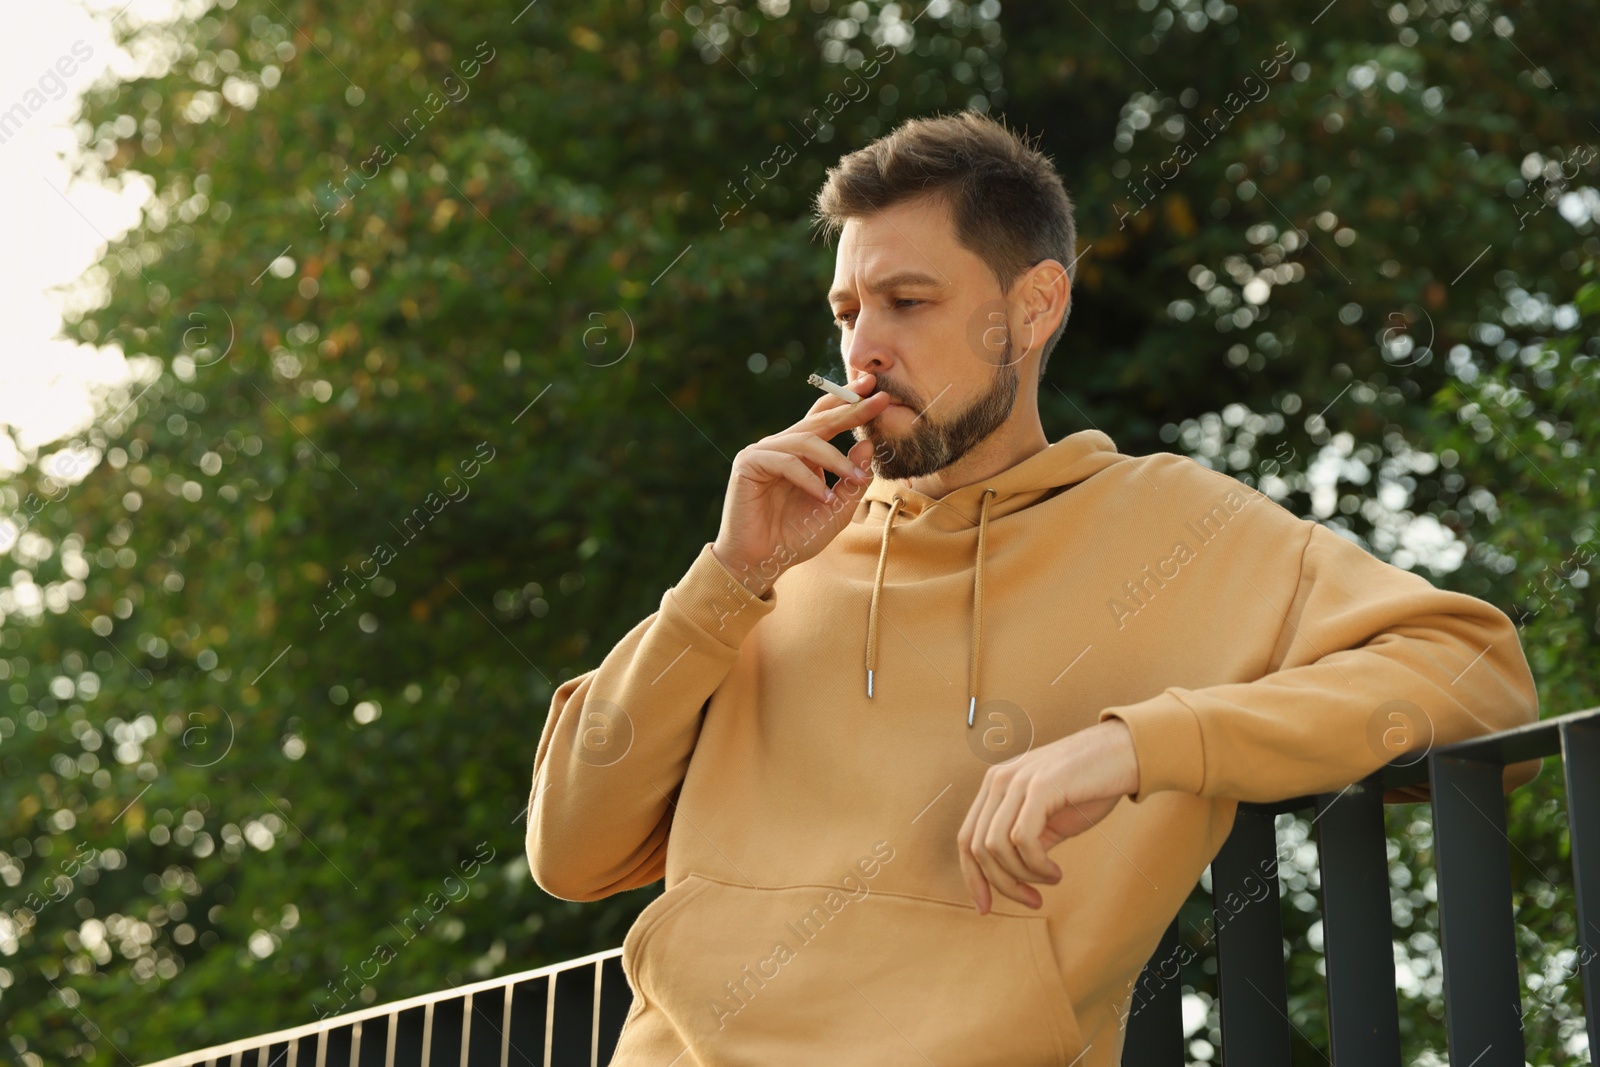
x=435, y=396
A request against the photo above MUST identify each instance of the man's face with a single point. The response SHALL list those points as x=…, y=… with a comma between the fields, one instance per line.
x=926, y=316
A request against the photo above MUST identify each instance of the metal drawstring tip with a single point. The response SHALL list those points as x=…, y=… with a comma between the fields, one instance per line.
x=869, y=685
x=972, y=707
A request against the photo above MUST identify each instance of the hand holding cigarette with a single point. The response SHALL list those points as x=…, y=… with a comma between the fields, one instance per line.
x=779, y=509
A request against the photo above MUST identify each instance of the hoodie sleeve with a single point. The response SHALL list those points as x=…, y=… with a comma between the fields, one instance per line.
x=1372, y=663
x=618, y=738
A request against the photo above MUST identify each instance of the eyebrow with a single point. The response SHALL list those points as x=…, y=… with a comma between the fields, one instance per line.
x=899, y=279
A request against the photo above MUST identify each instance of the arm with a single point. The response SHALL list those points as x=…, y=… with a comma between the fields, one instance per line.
x=1372, y=662
x=618, y=739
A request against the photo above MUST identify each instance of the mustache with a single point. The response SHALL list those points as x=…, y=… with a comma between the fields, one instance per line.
x=898, y=394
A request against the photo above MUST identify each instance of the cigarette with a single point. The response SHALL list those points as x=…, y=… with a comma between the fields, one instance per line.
x=837, y=390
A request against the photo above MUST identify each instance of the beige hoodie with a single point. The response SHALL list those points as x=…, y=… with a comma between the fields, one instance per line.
x=814, y=910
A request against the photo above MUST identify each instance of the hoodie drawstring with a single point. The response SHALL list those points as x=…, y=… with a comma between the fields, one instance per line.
x=977, y=608
x=877, y=589
x=977, y=602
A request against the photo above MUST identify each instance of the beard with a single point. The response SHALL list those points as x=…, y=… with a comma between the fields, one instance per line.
x=933, y=444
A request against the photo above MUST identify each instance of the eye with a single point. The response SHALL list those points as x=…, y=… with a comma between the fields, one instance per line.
x=844, y=318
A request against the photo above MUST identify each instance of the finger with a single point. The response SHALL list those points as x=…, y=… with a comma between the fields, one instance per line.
x=772, y=466
x=847, y=417
x=866, y=455
x=1028, y=835
x=996, y=854
x=971, y=873
x=1005, y=832
x=832, y=416
x=811, y=465
x=812, y=449
x=994, y=872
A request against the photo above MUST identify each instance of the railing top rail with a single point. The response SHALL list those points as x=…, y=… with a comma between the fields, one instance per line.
x=1535, y=740
x=334, y=1022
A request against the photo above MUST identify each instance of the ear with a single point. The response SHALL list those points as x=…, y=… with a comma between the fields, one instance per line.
x=1046, y=293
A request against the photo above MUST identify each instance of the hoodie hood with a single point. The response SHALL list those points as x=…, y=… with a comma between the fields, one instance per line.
x=1057, y=468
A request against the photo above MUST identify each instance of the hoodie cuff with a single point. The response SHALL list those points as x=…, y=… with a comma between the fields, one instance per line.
x=1166, y=742
x=717, y=603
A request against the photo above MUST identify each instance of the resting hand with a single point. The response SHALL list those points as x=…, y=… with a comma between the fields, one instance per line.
x=1028, y=805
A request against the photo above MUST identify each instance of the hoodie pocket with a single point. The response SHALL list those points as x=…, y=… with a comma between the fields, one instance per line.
x=826, y=974
x=646, y=921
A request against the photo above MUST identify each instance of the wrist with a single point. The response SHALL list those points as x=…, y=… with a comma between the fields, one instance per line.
x=1127, y=755
x=746, y=575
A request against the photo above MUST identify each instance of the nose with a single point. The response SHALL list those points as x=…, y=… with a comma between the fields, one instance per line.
x=869, y=348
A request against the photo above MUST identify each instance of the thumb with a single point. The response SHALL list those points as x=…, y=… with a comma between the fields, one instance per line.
x=861, y=455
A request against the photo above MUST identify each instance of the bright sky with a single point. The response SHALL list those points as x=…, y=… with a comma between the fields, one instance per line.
x=53, y=230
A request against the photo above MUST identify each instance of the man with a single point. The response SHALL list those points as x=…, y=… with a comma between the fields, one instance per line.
x=929, y=763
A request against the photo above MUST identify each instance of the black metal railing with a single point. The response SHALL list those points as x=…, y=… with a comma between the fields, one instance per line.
x=570, y=1014
x=1472, y=858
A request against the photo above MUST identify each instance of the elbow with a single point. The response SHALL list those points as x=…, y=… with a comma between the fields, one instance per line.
x=1480, y=671
x=547, y=875
x=1517, y=701
x=562, y=880
x=1520, y=701
x=550, y=856
x=570, y=861
x=1492, y=683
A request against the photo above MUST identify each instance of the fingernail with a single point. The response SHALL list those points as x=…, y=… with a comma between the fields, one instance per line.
x=859, y=472
x=828, y=496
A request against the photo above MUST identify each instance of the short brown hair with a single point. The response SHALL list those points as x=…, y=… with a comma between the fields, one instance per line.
x=1008, y=204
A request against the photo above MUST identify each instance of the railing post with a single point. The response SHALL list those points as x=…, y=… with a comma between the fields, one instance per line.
x=1580, y=754
x=529, y=1023
x=572, y=1033
x=1357, y=928
x=483, y=1044
x=372, y=1042
x=408, y=1036
x=1472, y=854
x=1155, y=1011
x=1250, y=974
x=616, y=999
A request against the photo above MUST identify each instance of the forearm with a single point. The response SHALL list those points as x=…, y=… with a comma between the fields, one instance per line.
x=618, y=739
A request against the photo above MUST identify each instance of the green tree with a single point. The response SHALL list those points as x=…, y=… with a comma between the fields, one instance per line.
x=447, y=324
x=438, y=394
